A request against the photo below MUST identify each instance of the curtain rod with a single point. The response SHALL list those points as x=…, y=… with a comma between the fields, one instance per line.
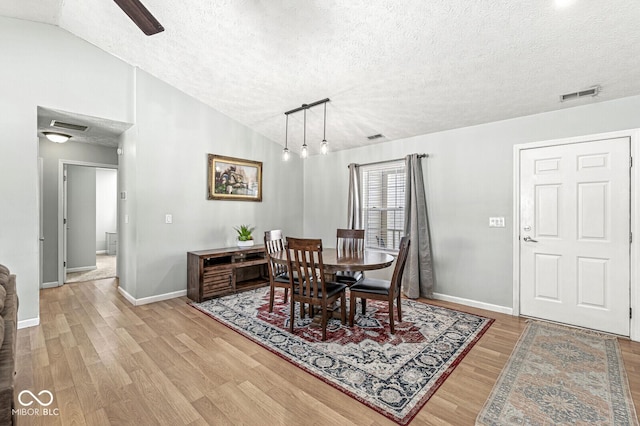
x=390, y=161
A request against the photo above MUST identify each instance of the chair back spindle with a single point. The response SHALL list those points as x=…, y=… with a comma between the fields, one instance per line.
x=350, y=240
x=278, y=277
x=348, y=243
x=274, y=242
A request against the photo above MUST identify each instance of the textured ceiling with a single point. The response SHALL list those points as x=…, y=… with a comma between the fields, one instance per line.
x=399, y=68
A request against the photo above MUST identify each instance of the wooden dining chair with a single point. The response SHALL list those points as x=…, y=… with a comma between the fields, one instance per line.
x=370, y=288
x=349, y=241
x=304, y=258
x=278, y=273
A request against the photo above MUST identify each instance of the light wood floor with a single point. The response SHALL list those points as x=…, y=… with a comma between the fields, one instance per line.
x=107, y=362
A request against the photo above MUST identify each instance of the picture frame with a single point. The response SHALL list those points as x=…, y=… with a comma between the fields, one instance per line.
x=232, y=178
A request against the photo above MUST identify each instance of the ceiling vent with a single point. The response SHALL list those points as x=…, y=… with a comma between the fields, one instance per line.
x=372, y=137
x=592, y=91
x=68, y=126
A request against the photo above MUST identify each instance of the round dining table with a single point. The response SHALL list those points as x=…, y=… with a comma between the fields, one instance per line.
x=333, y=261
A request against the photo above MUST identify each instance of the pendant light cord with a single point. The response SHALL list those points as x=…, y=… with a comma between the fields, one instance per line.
x=324, y=132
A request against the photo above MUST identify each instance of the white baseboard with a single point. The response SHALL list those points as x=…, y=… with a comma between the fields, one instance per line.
x=82, y=269
x=101, y=252
x=474, y=303
x=32, y=322
x=52, y=284
x=151, y=299
x=127, y=296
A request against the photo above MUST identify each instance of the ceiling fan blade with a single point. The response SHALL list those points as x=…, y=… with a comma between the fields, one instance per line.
x=140, y=16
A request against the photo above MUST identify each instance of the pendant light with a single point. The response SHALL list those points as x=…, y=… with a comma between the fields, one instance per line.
x=324, y=148
x=285, y=151
x=304, y=153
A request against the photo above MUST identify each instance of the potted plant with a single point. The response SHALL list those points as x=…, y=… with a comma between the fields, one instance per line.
x=244, y=235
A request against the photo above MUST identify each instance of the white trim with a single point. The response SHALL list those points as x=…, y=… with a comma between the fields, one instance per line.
x=101, y=252
x=31, y=322
x=473, y=303
x=51, y=284
x=151, y=299
x=61, y=163
x=634, y=332
x=127, y=296
x=634, y=135
x=82, y=269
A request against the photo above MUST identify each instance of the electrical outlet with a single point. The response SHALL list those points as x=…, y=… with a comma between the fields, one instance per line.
x=496, y=222
x=168, y=218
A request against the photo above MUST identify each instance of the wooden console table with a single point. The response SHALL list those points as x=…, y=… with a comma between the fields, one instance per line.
x=218, y=272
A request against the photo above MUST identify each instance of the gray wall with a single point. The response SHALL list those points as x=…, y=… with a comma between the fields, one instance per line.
x=165, y=172
x=51, y=154
x=468, y=178
x=106, y=205
x=77, y=77
x=81, y=217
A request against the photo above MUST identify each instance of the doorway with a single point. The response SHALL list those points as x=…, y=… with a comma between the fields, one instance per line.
x=573, y=220
x=88, y=221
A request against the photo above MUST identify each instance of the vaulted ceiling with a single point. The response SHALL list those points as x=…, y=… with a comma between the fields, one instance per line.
x=396, y=68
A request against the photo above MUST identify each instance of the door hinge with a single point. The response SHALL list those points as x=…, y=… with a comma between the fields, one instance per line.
x=64, y=221
x=630, y=312
x=64, y=263
x=630, y=237
x=630, y=161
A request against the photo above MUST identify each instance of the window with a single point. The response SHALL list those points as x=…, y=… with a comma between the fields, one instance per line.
x=383, y=204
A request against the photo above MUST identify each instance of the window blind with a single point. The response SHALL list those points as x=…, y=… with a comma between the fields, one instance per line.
x=383, y=194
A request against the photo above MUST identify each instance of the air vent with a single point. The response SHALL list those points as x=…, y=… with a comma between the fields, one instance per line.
x=372, y=137
x=68, y=126
x=592, y=91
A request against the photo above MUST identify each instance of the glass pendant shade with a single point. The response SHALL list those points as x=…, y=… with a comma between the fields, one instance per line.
x=285, y=154
x=324, y=148
x=304, y=152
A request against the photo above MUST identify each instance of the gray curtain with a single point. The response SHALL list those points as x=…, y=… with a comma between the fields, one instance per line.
x=354, y=218
x=418, y=274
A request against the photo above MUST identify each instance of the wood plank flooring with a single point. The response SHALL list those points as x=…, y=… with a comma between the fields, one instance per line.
x=109, y=363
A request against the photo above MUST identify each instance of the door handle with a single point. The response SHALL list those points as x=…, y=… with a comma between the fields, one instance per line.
x=530, y=240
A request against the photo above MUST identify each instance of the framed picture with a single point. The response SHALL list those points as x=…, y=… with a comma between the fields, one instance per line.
x=234, y=179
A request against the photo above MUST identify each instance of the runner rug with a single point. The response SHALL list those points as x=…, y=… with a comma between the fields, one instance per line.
x=561, y=375
x=394, y=374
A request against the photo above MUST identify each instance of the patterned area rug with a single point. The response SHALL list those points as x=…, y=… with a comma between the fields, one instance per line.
x=561, y=375
x=393, y=374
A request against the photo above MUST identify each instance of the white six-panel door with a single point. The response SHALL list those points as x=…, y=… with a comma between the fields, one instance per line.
x=575, y=234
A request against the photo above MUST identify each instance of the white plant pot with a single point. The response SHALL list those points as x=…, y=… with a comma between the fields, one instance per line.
x=245, y=243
